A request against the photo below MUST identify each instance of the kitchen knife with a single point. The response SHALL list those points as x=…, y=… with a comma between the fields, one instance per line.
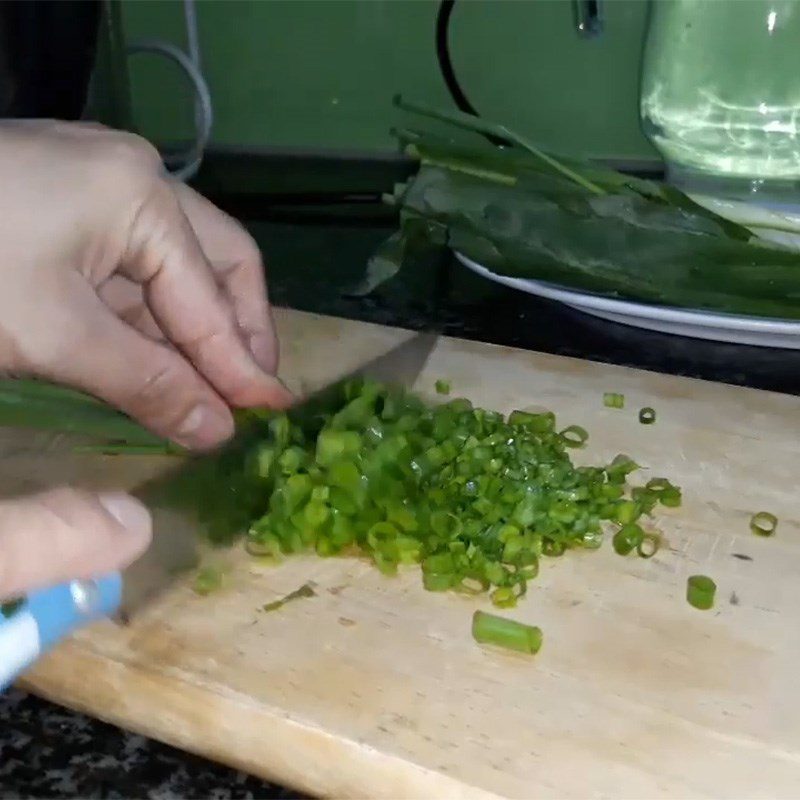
x=215, y=491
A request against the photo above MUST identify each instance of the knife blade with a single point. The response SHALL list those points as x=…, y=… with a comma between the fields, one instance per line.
x=215, y=486
x=215, y=489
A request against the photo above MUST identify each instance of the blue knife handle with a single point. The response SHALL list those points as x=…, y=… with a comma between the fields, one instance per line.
x=47, y=616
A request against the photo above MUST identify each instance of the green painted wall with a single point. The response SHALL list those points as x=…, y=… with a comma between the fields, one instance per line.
x=320, y=74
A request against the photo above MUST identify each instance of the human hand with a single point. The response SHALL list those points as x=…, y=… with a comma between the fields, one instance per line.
x=65, y=534
x=124, y=283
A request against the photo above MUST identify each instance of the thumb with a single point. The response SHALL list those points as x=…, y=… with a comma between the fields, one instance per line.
x=63, y=534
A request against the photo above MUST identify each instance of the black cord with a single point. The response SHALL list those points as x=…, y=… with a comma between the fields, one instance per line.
x=446, y=65
x=445, y=62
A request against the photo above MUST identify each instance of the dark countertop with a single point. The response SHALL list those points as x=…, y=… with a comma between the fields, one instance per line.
x=46, y=751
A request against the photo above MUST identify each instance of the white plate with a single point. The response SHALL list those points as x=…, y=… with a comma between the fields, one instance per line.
x=718, y=327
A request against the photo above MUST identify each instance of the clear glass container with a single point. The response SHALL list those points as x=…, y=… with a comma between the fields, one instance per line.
x=720, y=96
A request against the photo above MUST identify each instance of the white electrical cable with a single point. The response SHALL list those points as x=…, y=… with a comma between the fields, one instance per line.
x=189, y=161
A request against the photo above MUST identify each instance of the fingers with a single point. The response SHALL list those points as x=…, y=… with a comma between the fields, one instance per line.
x=236, y=260
x=165, y=257
x=94, y=350
x=124, y=298
x=64, y=534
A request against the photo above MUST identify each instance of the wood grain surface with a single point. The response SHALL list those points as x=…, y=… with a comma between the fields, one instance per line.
x=374, y=687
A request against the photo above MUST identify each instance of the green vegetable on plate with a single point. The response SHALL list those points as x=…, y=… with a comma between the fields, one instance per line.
x=442, y=387
x=524, y=213
x=613, y=400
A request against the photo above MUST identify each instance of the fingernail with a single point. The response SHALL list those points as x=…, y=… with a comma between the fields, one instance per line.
x=282, y=395
x=262, y=347
x=129, y=512
x=204, y=427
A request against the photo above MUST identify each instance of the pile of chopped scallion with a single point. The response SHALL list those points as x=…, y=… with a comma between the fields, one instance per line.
x=476, y=499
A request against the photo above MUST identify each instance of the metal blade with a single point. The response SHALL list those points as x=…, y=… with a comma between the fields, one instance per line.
x=217, y=483
x=199, y=493
x=400, y=367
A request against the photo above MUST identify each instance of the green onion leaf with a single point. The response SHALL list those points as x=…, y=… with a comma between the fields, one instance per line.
x=613, y=400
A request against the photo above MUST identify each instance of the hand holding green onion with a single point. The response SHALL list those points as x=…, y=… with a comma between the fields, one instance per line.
x=129, y=286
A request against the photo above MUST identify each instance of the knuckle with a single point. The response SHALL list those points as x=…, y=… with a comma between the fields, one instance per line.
x=131, y=153
x=162, y=399
x=247, y=248
x=250, y=252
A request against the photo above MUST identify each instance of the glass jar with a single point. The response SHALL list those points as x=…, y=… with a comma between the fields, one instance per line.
x=720, y=95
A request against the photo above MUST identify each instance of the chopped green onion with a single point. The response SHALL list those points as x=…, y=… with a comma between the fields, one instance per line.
x=613, y=400
x=667, y=493
x=574, y=436
x=264, y=545
x=671, y=497
x=474, y=498
x=649, y=545
x=700, y=591
x=619, y=469
x=306, y=590
x=207, y=580
x=647, y=416
x=506, y=633
x=504, y=597
x=626, y=512
x=763, y=523
x=628, y=538
x=442, y=387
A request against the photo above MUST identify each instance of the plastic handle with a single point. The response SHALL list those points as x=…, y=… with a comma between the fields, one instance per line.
x=47, y=616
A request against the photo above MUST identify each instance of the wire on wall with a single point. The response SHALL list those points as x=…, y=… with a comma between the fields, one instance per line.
x=446, y=65
x=186, y=164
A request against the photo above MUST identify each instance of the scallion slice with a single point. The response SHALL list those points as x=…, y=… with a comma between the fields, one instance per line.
x=647, y=416
x=506, y=633
x=208, y=579
x=649, y=545
x=628, y=538
x=442, y=387
x=700, y=591
x=613, y=400
x=574, y=436
x=763, y=523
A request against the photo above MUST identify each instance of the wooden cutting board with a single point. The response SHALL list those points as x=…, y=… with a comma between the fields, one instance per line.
x=374, y=688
